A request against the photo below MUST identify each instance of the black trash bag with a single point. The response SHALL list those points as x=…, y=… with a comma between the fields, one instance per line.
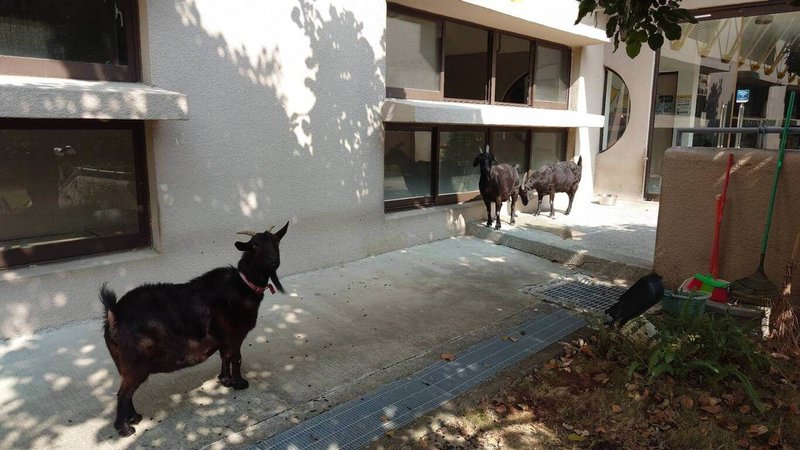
x=643, y=295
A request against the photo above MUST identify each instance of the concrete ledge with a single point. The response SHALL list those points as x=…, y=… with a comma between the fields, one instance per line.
x=421, y=111
x=546, y=245
x=57, y=98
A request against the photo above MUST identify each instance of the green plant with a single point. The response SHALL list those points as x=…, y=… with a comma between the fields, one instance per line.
x=707, y=349
x=636, y=22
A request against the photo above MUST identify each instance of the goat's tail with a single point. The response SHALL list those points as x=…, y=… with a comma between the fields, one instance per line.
x=580, y=160
x=109, y=300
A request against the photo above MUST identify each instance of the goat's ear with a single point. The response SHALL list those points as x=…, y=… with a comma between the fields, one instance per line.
x=243, y=246
x=475, y=163
x=494, y=161
x=282, y=231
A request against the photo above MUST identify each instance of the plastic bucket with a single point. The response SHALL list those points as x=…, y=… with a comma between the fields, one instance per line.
x=692, y=304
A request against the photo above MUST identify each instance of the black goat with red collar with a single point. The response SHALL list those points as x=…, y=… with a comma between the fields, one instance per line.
x=165, y=327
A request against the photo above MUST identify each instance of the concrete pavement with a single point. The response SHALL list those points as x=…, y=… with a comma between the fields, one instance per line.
x=340, y=332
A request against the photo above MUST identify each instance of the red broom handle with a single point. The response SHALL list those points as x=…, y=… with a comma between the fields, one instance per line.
x=718, y=224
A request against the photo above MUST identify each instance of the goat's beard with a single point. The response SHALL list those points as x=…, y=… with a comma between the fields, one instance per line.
x=274, y=277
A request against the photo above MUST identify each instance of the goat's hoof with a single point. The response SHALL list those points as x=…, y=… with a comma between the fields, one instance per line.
x=489, y=224
x=240, y=384
x=512, y=222
x=497, y=227
x=226, y=381
x=125, y=430
x=134, y=418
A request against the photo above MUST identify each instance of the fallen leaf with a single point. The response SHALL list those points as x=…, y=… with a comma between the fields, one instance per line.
x=448, y=357
x=575, y=437
x=757, y=430
x=616, y=408
x=774, y=440
x=505, y=338
x=567, y=426
x=390, y=433
x=513, y=339
x=715, y=409
x=664, y=404
x=777, y=355
x=686, y=401
x=728, y=398
x=630, y=387
x=501, y=408
x=583, y=433
x=384, y=419
x=731, y=425
x=601, y=377
x=744, y=409
x=586, y=350
x=709, y=401
x=600, y=430
x=743, y=443
x=794, y=408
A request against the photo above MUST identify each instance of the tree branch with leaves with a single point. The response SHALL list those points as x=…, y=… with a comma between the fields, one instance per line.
x=635, y=22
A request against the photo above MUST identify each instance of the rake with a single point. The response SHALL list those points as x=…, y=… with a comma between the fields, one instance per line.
x=757, y=289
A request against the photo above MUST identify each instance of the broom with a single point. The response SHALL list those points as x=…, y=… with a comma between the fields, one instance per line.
x=783, y=322
x=757, y=289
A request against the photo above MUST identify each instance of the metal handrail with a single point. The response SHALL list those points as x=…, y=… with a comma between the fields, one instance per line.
x=759, y=131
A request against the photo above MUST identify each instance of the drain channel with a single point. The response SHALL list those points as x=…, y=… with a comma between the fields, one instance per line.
x=358, y=422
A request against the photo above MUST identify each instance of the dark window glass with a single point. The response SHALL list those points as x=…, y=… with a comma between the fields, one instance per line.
x=551, y=74
x=71, y=188
x=511, y=72
x=412, y=52
x=510, y=147
x=548, y=147
x=79, y=39
x=407, y=164
x=457, y=151
x=466, y=62
x=67, y=30
x=617, y=108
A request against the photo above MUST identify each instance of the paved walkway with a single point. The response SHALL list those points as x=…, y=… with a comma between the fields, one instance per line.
x=342, y=332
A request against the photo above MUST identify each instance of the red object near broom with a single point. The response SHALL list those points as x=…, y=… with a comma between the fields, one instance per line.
x=710, y=283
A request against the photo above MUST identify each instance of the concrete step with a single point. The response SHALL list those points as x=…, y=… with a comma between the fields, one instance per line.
x=554, y=242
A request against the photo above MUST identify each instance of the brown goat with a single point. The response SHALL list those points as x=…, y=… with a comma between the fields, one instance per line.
x=498, y=183
x=563, y=176
x=159, y=328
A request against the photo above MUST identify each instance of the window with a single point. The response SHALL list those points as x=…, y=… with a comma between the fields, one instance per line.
x=617, y=106
x=512, y=73
x=412, y=53
x=80, y=39
x=70, y=188
x=551, y=74
x=427, y=165
x=466, y=58
x=429, y=57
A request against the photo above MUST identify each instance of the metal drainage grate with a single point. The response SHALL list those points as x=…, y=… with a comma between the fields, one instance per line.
x=582, y=294
x=360, y=421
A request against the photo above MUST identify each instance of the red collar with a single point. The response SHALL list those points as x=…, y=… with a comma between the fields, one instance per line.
x=256, y=289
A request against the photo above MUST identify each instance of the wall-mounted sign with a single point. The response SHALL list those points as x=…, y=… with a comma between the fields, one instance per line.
x=683, y=106
x=742, y=95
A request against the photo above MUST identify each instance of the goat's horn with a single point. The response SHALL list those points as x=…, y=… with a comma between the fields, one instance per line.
x=247, y=232
x=270, y=229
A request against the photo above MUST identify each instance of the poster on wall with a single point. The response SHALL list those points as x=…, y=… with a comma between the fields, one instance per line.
x=665, y=104
x=683, y=106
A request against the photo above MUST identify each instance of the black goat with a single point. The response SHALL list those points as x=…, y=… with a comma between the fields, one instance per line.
x=164, y=327
x=563, y=176
x=498, y=183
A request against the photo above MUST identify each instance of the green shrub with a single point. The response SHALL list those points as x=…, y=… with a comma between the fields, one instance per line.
x=707, y=349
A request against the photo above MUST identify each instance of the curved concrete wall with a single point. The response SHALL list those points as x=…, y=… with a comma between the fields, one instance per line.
x=620, y=169
x=692, y=178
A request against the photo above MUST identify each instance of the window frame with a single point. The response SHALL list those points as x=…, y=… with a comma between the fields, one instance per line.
x=54, y=68
x=493, y=48
x=54, y=251
x=434, y=199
